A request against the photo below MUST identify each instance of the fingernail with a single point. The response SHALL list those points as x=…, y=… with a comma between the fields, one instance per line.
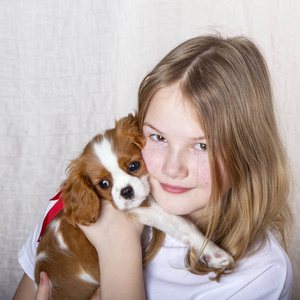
x=41, y=278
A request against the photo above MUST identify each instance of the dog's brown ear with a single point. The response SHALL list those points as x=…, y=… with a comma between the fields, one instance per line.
x=81, y=203
x=128, y=126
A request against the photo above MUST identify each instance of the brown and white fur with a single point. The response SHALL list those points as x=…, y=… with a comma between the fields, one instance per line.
x=111, y=167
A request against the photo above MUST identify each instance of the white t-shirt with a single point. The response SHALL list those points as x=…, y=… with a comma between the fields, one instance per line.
x=267, y=275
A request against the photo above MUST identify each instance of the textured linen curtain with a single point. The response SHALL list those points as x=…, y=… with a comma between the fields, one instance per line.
x=68, y=68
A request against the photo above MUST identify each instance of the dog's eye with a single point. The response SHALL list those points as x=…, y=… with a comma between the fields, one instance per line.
x=104, y=184
x=134, y=166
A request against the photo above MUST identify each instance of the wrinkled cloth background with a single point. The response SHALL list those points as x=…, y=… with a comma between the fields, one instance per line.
x=69, y=67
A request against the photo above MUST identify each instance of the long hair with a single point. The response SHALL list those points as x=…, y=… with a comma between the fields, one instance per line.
x=226, y=81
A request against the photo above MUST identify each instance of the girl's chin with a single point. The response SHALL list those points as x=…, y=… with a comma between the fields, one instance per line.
x=172, y=206
x=178, y=204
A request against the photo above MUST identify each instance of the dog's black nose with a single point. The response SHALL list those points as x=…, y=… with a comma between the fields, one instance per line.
x=127, y=192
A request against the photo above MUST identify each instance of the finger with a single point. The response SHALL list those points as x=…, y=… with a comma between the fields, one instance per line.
x=43, y=288
x=97, y=295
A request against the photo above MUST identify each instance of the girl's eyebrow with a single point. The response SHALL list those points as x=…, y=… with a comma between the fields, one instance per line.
x=152, y=127
x=162, y=134
x=199, y=138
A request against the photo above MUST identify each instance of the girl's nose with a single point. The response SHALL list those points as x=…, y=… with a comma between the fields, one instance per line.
x=175, y=165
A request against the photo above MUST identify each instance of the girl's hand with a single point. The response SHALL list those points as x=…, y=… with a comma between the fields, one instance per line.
x=43, y=288
x=113, y=228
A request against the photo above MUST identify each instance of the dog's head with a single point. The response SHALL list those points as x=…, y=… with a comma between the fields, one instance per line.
x=110, y=167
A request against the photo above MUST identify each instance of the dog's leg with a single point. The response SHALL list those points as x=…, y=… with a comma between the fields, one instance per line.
x=183, y=230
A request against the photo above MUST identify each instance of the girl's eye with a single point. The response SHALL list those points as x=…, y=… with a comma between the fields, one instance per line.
x=104, y=184
x=158, y=138
x=201, y=146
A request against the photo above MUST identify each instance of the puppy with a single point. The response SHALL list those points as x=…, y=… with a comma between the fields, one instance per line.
x=110, y=167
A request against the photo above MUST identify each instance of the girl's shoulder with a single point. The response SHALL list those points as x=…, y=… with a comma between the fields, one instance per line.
x=269, y=255
x=269, y=270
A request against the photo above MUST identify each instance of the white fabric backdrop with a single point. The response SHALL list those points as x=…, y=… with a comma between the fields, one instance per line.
x=69, y=67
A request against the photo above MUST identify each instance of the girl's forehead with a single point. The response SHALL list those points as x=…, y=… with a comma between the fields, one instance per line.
x=168, y=111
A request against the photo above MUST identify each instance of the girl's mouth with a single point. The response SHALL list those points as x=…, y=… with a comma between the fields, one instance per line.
x=174, y=189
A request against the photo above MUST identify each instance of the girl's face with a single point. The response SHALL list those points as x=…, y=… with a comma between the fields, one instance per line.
x=175, y=154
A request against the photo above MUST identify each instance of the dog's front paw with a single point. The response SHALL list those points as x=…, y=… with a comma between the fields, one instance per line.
x=215, y=257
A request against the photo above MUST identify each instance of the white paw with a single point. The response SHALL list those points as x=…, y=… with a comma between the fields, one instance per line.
x=215, y=257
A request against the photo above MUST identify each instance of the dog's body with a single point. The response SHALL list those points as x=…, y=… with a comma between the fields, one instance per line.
x=110, y=167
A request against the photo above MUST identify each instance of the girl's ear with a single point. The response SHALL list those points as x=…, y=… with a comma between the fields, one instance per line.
x=82, y=204
x=128, y=126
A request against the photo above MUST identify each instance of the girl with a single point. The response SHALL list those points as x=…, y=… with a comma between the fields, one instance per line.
x=214, y=155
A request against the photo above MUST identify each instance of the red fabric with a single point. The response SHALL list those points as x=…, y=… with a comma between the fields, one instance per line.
x=55, y=209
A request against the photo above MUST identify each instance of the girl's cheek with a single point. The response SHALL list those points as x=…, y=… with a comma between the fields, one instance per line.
x=202, y=172
x=204, y=177
x=147, y=155
x=153, y=157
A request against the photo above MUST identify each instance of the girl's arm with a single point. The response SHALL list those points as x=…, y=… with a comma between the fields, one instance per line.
x=25, y=290
x=116, y=237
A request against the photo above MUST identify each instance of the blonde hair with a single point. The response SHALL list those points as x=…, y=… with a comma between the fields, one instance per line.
x=226, y=81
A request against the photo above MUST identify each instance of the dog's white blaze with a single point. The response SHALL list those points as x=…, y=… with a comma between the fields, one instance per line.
x=121, y=179
x=106, y=156
x=87, y=277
